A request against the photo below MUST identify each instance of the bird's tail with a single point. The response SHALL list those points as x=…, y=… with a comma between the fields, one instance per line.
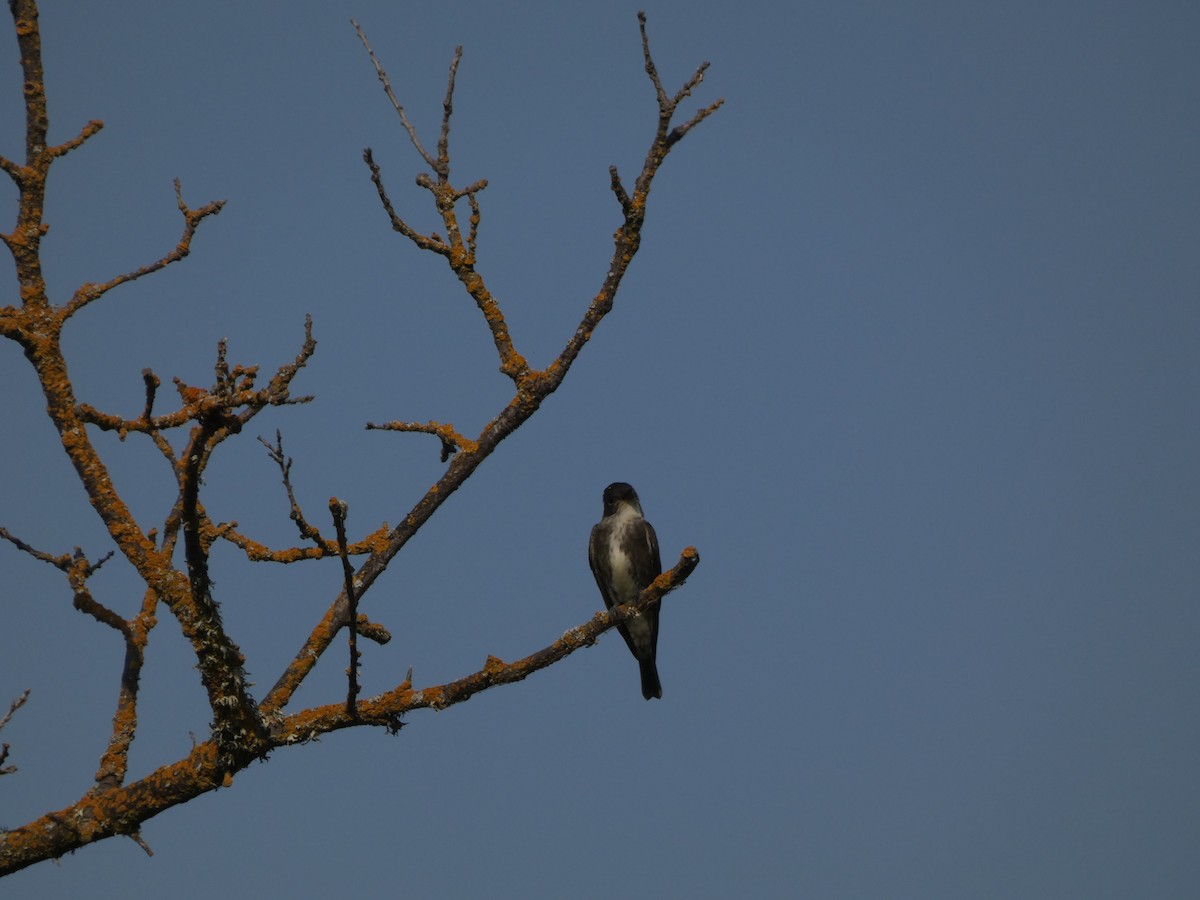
x=651, y=687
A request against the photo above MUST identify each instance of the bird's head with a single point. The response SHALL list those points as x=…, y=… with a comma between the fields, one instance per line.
x=619, y=493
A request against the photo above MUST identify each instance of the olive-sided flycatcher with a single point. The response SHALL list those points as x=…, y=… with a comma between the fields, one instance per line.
x=623, y=552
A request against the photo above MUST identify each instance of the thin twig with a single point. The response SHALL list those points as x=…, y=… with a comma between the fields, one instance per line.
x=340, y=509
x=308, y=531
x=443, y=160
x=152, y=383
x=432, y=243
x=91, y=128
x=391, y=95
x=62, y=561
x=13, y=707
x=191, y=218
x=137, y=838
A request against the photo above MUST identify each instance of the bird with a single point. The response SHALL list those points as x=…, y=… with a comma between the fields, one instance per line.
x=623, y=553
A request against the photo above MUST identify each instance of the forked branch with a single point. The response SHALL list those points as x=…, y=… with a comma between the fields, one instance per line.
x=192, y=218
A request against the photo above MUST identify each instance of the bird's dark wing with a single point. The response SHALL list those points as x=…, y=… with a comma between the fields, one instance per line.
x=601, y=565
x=642, y=548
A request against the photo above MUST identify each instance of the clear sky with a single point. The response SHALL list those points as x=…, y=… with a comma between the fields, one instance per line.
x=910, y=353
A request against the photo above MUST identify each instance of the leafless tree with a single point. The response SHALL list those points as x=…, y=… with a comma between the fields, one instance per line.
x=245, y=729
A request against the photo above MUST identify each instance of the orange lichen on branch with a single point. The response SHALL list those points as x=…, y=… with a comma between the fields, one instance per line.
x=112, y=812
x=512, y=363
x=256, y=552
x=452, y=441
x=373, y=630
x=89, y=292
x=115, y=762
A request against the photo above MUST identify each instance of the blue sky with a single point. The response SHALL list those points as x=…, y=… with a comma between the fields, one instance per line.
x=909, y=353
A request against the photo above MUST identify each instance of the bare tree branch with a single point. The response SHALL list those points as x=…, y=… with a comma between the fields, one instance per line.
x=243, y=729
x=308, y=531
x=61, y=561
x=191, y=218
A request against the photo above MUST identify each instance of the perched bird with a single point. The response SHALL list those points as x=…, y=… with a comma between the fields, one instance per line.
x=623, y=552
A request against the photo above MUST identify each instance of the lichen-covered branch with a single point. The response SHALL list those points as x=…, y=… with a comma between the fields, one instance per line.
x=191, y=219
x=451, y=440
x=135, y=634
x=114, y=764
x=256, y=552
x=122, y=810
x=233, y=398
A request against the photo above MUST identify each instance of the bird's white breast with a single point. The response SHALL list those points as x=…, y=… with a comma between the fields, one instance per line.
x=623, y=581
